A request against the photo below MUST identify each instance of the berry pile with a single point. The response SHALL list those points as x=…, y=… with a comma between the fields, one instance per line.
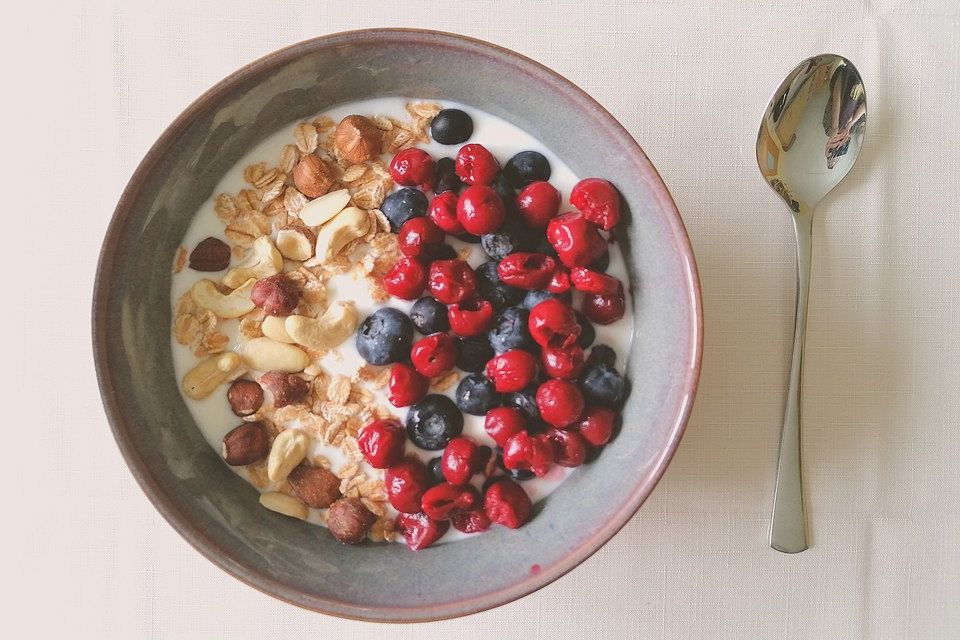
x=511, y=324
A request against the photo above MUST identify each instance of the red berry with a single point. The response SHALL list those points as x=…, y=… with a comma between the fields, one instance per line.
x=480, y=210
x=476, y=165
x=507, y=503
x=524, y=451
x=604, y=309
x=596, y=425
x=598, y=201
x=503, y=422
x=560, y=281
x=406, y=386
x=560, y=402
x=471, y=521
x=381, y=443
x=576, y=241
x=570, y=449
x=413, y=168
x=405, y=483
x=537, y=203
x=451, y=281
x=526, y=270
x=419, y=238
x=512, y=370
x=590, y=281
x=565, y=363
x=420, y=531
x=444, y=500
x=406, y=280
x=435, y=354
x=553, y=323
x=460, y=460
x=443, y=212
x=471, y=317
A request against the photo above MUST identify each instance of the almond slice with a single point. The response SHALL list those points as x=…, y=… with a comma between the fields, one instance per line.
x=318, y=211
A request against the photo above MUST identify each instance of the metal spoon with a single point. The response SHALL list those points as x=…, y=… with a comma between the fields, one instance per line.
x=809, y=138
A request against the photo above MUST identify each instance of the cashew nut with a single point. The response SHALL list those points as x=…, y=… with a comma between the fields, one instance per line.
x=288, y=450
x=348, y=225
x=336, y=324
x=295, y=244
x=210, y=373
x=264, y=261
x=318, y=211
x=264, y=354
x=225, y=305
x=273, y=327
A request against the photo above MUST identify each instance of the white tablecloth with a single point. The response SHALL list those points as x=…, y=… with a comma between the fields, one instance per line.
x=87, y=90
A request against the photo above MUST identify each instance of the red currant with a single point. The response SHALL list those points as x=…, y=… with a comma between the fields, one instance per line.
x=560, y=402
x=565, y=363
x=405, y=483
x=406, y=386
x=596, y=425
x=381, y=443
x=451, y=281
x=413, y=168
x=480, y=210
x=598, y=201
x=419, y=238
x=604, y=309
x=590, y=281
x=553, y=323
x=506, y=503
x=444, y=500
x=538, y=203
x=570, y=449
x=503, y=422
x=476, y=165
x=443, y=212
x=419, y=530
x=434, y=354
x=576, y=241
x=560, y=281
x=524, y=451
x=406, y=280
x=460, y=460
x=471, y=521
x=526, y=270
x=471, y=317
x=512, y=370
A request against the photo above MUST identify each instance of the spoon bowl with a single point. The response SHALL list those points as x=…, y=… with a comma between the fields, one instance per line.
x=810, y=137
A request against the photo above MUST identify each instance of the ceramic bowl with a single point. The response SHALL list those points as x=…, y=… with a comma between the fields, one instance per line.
x=214, y=509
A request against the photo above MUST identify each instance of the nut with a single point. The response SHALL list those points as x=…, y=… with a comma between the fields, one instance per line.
x=245, y=397
x=230, y=305
x=210, y=373
x=246, y=444
x=296, y=243
x=336, y=324
x=288, y=450
x=264, y=261
x=312, y=176
x=349, y=520
x=357, y=139
x=316, y=486
x=284, y=504
x=273, y=327
x=345, y=227
x=287, y=388
x=210, y=254
x=318, y=211
x=264, y=354
x=276, y=295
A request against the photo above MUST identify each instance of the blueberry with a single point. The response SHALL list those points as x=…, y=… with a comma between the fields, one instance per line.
x=506, y=193
x=525, y=400
x=500, y=294
x=429, y=316
x=385, y=336
x=473, y=353
x=602, y=264
x=602, y=354
x=433, y=422
x=533, y=298
x=510, y=330
x=435, y=472
x=402, y=205
x=476, y=395
x=526, y=167
x=587, y=333
x=602, y=385
x=516, y=474
x=447, y=178
x=469, y=238
x=451, y=126
x=444, y=252
x=512, y=236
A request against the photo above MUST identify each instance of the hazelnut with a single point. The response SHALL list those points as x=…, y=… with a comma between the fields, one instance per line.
x=276, y=295
x=287, y=388
x=296, y=242
x=357, y=139
x=349, y=521
x=245, y=397
x=312, y=176
x=246, y=444
x=316, y=486
x=210, y=254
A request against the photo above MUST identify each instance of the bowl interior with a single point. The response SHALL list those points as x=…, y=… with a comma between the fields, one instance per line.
x=216, y=510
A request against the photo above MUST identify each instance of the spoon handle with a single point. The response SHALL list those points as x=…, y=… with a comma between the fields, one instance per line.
x=788, y=526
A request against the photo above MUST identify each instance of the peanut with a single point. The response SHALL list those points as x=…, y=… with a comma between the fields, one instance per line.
x=210, y=373
x=264, y=354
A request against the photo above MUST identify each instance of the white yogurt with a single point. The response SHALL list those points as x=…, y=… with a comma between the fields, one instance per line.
x=213, y=415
